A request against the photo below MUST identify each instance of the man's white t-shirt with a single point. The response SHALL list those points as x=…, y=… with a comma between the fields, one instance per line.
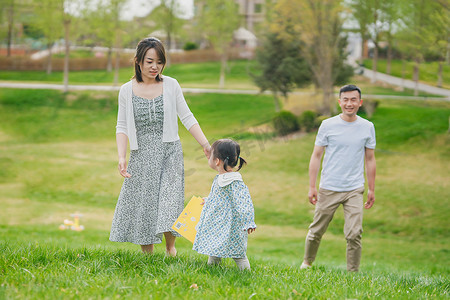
x=345, y=142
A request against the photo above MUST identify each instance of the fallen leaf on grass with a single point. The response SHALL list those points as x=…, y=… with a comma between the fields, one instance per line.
x=194, y=286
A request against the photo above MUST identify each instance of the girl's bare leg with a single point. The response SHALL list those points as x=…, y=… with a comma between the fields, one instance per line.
x=214, y=260
x=170, y=244
x=242, y=263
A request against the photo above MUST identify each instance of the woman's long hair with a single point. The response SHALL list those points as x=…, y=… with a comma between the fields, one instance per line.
x=141, y=49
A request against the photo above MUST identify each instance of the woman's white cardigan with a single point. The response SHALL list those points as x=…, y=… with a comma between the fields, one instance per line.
x=174, y=105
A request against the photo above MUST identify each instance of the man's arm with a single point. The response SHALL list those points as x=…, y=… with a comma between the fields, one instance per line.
x=371, y=168
x=314, y=166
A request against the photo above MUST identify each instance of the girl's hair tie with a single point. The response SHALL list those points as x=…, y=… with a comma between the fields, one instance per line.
x=227, y=158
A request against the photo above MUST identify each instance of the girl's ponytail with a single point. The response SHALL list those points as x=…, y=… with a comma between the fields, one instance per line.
x=241, y=163
x=226, y=163
x=229, y=152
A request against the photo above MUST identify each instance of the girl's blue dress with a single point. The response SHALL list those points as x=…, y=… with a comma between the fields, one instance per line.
x=226, y=216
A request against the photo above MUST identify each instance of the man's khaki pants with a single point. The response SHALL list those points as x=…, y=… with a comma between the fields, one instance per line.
x=327, y=203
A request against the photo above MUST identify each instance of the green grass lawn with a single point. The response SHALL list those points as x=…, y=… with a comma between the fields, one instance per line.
x=193, y=75
x=428, y=71
x=203, y=75
x=58, y=156
x=52, y=272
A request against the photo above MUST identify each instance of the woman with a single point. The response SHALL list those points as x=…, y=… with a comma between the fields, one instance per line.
x=152, y=195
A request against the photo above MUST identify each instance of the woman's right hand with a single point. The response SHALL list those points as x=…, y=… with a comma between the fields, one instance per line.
x=123, y=168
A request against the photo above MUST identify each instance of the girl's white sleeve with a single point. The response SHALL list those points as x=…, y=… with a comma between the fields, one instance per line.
x=183, y=111
x=122, y=114
x=244, y=205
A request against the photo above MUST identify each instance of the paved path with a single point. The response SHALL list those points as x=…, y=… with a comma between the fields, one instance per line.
x=54, y=86
x=407, y=83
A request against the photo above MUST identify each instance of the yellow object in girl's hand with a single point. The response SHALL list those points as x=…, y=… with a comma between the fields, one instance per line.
x=188, y=219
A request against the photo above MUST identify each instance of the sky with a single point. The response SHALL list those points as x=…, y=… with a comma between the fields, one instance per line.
x=143, y=7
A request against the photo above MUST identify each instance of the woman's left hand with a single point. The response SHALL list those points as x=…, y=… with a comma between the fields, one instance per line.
x=207, y=151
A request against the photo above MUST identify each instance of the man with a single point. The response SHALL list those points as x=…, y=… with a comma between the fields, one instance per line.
x=347, y=141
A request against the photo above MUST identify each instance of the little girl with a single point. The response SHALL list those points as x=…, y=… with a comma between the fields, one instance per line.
x=228, y=216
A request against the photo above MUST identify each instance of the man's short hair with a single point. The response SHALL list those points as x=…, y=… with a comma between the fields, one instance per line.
x=349, y=88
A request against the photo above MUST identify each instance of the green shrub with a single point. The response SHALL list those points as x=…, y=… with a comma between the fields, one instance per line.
x=307, y=120
x=285, y=122
x=190, y=46
x=76, y=54
x=319, y=120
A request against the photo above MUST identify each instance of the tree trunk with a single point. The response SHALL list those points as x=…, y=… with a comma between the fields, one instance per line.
x=49, y=58
x=363, y=43
x=10, y=28
x=326, y=85
x=389, y=59
x=416, y=78
x=67, y=54
x=169, y=46
x=276, y=101
x=439, y=84
x=403, y=74
x=447, y=55
x=117, y=67
x=374, y=64
x=109, y=61
x=328, y=98
x=118, y=42
x=223, y=66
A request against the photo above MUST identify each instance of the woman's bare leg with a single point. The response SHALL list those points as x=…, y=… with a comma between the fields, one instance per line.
x=148, y=249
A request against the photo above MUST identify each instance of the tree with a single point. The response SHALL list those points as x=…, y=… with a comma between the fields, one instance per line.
x=361, y=12
x=318, y=25
x=369, y=16
x=14, y=14
x=377, y=20
x=106, y=28
x=100, y=23
x=375, y=28
x=282, y=67
x=47, y=19
x=64, y=11
x=66, y=21
x=166, y=18
x=437, y=34
x=342, y=72
x=218, y=20
x=9, y=9
x=418, y=31
x=391, y=16
x=116, y=7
